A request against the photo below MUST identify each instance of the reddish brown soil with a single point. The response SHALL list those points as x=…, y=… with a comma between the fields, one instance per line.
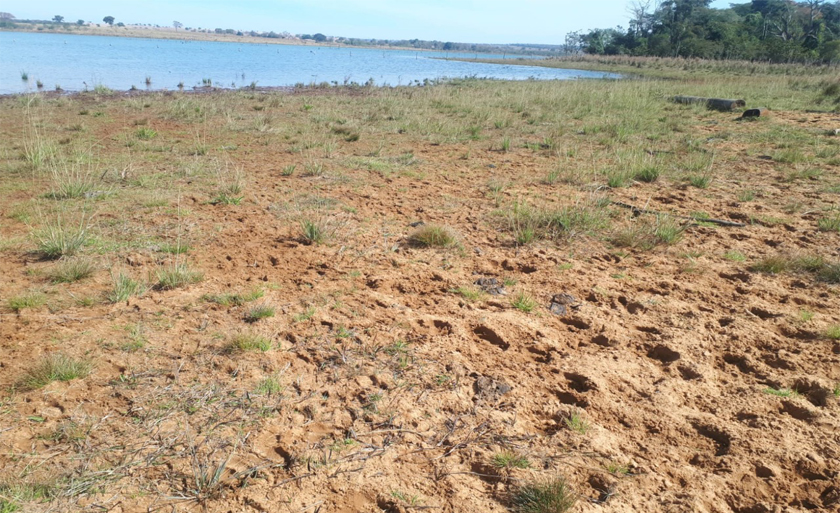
x=666, y=354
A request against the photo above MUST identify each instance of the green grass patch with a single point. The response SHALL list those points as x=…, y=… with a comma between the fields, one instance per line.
x=249, y=342
x=235, y=299
x=259, y=312
x=55, y=367
x=123, y=287
x=509, y=459
x=524, y=302
x=548, y=496
x=72, y=270
x=176, y=275
x=27, y=300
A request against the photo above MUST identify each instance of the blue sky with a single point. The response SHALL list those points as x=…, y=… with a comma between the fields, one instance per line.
x=474, y=21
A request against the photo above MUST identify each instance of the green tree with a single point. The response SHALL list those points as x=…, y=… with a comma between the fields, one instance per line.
x=109, y=20
x=58, y=19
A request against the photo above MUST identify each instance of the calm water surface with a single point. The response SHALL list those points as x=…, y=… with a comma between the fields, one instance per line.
x=76, y=62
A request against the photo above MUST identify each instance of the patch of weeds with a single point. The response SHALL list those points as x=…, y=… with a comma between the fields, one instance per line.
x=645, y=235
x=833, y=332
x=235, y=299
x=145, y=133
x=136, y=338
x=124, y=287
x=71, y=181
x=249, y=342
x=789, y=156
x=549, y=496
x=701, y=180
x=617, y=177
x=648, y=174
x=781, y=392
x=313, y=169
x=618, y=469
x=55, y=367
x=258, y=312
x=829, y=223
x=524, y=302
x=806, y=316
x=434, y=236
x=229, y=195
x=175, y=275
x=305, y=315
x=72, y=270
x=509, y=459
x=269, y=386
x=408, y=500
x=178, y=248
x=529, y=223
x=288, y=170
x=734, y=256
x=315, y=230
x=576, y=422
x=808, y=173
x=12, y=495
x=56, y=238
x=27, y=300
x=828, y=272
x=471, y=294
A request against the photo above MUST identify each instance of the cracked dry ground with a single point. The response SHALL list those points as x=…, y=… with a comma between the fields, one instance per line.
x=393, y=390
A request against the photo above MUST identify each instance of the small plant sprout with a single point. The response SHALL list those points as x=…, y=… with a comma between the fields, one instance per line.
x=524, y=302
x=509, y=459
x=576, y=422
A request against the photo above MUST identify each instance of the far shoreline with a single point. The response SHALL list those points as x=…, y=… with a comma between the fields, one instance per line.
x=135, y=32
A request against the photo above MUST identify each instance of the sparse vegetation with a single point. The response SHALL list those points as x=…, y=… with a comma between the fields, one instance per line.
x=547, y=286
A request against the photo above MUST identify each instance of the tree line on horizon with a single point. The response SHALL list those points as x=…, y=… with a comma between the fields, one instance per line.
x=769, y=30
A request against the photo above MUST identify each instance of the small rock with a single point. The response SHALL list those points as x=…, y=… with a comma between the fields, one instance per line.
x=560, y=303
x=491, y=286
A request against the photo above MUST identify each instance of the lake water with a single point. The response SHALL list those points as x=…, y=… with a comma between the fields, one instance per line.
x=76, y=62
